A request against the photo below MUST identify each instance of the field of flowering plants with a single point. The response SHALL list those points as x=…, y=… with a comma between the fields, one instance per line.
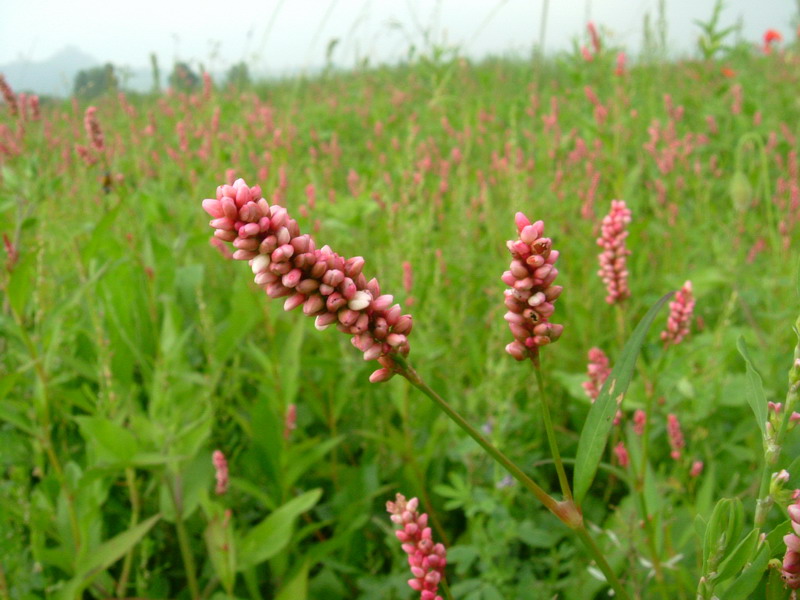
x=616, y=421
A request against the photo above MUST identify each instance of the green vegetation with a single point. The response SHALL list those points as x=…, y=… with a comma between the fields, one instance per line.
x=131, y=349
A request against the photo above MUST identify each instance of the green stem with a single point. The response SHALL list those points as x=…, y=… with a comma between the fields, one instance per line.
x=551, y=435
x=566, y=511
x=47, y=439
x=602, y=563
x=550, y=503
x=130, y=476
x=183, y=542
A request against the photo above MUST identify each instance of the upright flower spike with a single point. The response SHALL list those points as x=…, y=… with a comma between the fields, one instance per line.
x=613, y=259
x=680, y=316
x=676, y=441
x=93, y=131
x=426, y=559
x=327, y=286
x=598, y=370
x=531, y=292
x=220, y=471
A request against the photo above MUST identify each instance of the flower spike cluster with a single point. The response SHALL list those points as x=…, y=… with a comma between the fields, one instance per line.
x=531, y=295
x=426, y=559
x=613, y=259
x=327, y=286
x=680, y=316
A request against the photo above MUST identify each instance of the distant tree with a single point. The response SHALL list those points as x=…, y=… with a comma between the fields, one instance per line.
x=183, y=78
x=90, y=83
x=238, y=76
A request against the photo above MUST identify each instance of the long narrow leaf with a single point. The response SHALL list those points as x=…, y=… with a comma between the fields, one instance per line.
x=755, y=389
x=601, y=414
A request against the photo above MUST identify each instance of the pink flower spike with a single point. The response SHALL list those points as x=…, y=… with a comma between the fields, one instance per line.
x=639, y=421
x=221, y=471
x=680, y=316
x=426, y=560
x=532, y=293
x=329, y=287
x=697, y=469
x=597, y=370
x=621, y=453
x=93, y=130
x=791, y=559
x=613, y=269
x=676, y=441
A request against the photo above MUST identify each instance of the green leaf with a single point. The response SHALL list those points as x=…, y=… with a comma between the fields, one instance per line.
x=723, y=528
x=305, y=456
x=272, y=535
x=743, y=586
x=601, y=414
x=220, y=542
x=105, y=555
x=737, y=559
x=112, y=442
x=297, y=587
x=755, y=396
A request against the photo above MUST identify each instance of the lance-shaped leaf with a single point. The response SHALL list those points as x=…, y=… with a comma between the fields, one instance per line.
x=601, y=414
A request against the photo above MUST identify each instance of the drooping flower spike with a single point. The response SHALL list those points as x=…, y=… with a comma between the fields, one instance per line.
x=531, y=292
x=329, y=287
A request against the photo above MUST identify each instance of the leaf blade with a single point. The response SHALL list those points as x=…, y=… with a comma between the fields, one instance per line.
x=594, y=434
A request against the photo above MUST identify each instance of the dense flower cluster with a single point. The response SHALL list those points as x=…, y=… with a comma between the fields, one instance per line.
x=532, y=293
x=598, y=370
x=426, y=559
x=680, y=316
x=328, y=287
x=613, y=259
x=791, y=560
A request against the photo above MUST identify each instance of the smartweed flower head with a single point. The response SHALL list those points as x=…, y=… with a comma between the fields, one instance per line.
x=680, y=316
x=220, y=471
x=621, y=452
x=327, y=286
x=93, y=131
x=598, y=370
x=697, y=468
x=426, y=559
x=676, y=441
x=639, y=421
x=531, y=292
x=613, y=259
x=791, y=560
x=8, y=96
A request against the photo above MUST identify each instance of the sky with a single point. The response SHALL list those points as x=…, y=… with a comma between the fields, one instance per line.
x=287, y=35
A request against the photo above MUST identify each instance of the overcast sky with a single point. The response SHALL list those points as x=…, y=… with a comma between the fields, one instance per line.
x=285, y=35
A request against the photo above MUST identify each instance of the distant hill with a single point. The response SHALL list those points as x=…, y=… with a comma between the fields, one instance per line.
x=53, y=76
